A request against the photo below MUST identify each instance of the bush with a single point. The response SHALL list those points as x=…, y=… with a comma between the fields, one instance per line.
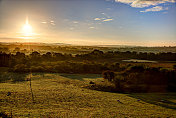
x=138, y=68
x=140, y=79
x=109, y=75
x=102, y=86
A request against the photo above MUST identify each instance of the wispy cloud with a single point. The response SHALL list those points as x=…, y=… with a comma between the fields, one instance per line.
x=52, y=22
x=44, y=22
x=106, y=20
x=103, y=19
x=157, y=8
x=97, y=19
x=144, y=3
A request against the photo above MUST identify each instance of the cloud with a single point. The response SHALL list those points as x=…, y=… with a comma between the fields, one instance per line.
x=44, y=22
x=144, y=3
x=97, y=19
x=156, y=8
x=106, y=20
x=49, y=22
x=103, y=19
x=53, y=24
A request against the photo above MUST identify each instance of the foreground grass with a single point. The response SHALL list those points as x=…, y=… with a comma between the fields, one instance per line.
x=57, y=96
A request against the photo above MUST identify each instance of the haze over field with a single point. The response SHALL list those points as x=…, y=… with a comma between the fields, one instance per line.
x=89, y=22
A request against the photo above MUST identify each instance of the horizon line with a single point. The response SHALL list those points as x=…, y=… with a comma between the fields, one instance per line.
x=88, y=44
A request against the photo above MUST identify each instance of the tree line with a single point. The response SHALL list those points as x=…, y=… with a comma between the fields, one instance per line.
x=169, y=56
x=80, y=63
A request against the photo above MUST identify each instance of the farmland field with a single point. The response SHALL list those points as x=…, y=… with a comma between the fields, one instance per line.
x=59, y=96
x=87, y=59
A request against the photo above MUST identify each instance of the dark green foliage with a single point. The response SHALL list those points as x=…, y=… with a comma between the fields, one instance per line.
x=136, y=78
x=61, y=67
x=10, y=60
x=109, y=75
x=139, y=68
x=4, y=59
x=14, y=77
x=143, y=79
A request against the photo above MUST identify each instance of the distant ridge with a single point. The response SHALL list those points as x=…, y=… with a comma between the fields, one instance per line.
x=117, y=46
x=66, y=44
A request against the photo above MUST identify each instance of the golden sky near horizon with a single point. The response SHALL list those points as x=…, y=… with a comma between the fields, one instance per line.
x=84, y=22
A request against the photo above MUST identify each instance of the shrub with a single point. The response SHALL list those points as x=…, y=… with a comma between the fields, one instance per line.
x=144, y=80
x=109, y=75
x=137, y=68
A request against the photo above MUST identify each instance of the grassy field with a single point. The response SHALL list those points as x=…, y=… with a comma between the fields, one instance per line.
x=61, y=96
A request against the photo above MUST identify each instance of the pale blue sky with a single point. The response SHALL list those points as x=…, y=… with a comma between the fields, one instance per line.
x=90, y=22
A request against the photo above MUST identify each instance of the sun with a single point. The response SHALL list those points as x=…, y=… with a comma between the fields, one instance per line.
x=27, y=29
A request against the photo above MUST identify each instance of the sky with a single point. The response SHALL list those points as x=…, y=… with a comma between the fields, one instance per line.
x=89, y=22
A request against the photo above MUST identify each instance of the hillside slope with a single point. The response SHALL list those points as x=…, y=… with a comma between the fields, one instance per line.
x=64, y=97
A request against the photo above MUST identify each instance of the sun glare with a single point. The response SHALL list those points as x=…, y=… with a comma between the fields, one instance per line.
x=27, y=29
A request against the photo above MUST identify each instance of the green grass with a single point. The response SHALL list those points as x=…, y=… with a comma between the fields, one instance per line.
x=58, y=96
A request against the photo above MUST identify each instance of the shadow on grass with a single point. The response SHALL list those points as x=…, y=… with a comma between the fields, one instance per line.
x=14, y=77
x=81, y=76
x=167, y=100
